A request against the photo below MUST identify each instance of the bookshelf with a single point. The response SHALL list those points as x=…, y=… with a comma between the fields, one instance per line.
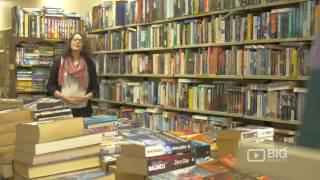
x=295, y=46
x=38, y=37
x=231, y=10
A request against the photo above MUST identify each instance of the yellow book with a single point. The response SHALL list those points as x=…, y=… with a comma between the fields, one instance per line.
x=294, y=62
x=249, y=27
x=61, y=176
x=316, y=19
x=47, y=131
x=28, y=171
x=63, y=155
x=190, y=100
x=11, y=126
x=6, y=149
x=6, y=170
x=26, y=25
x=7, y=139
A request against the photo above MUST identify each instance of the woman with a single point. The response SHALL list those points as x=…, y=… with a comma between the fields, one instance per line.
x=73, y=78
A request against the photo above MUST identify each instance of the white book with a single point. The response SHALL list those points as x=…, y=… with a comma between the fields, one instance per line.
x=60, y=145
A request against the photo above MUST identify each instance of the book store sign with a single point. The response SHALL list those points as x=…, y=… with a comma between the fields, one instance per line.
x=267, y=155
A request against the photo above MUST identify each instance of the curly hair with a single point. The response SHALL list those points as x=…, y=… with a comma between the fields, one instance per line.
x=85, y=51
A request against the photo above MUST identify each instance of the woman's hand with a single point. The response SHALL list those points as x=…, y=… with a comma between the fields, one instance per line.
x=80, y=99
x=71, y=100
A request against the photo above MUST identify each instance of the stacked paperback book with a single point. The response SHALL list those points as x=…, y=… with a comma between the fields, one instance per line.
x=53, y=149
x=105, y=124
x=153, y=153
x=8, y=121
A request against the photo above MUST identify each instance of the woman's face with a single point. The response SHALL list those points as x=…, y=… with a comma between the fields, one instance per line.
x=76, y=43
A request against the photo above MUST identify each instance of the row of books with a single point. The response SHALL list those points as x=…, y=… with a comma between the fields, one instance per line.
x=287, y=60
x=109, y=14
x=281, y=100
x=277, y=23
x=38, y=54
x=157, y=119
x=32, y=79
x=44, y=23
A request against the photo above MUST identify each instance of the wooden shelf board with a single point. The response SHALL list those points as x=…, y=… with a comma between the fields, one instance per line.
x=31, y=92
x=135, y=75
x=208, y=76
x=34, y=65
x=292, y=122
x=173, y=108
x=279, y=3
x=279, y=40
x=262, y=77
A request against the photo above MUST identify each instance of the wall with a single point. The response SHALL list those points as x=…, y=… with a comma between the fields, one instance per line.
x=79, y=6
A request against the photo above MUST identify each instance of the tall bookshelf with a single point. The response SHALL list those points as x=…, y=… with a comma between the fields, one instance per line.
x=39, y=36
x=264, y=36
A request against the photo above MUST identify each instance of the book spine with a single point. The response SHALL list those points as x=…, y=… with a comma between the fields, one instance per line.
x=168, y=163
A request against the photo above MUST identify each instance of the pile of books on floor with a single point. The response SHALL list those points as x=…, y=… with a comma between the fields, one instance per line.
x=8, y=121
x=54, y=149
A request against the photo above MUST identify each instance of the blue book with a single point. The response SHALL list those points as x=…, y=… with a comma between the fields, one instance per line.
x=99, y=119
x=120, y=13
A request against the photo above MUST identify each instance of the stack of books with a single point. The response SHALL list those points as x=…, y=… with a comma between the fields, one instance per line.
x=153, y=153
x=10, y=103
x=105, y=124
x=51, y=149
x=8, y=121
x=53, y=114
x=24, y=79
x=228, y=141
x=46, y=54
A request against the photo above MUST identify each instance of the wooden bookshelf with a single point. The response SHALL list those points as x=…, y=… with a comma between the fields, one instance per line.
x=201, y=15
x=14, y=41
x=217, y=113
x=291, y=122
x=246, y=42
x=205, y=76
x=225, y=13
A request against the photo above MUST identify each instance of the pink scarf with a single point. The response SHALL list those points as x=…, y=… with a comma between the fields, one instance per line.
x=78, y=71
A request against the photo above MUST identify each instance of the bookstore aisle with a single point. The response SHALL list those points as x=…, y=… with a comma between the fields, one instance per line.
x=188, y=90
